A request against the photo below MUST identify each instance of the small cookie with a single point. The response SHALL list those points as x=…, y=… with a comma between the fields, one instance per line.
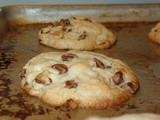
x=78, y=79
x=80, y=33
x=154, y=34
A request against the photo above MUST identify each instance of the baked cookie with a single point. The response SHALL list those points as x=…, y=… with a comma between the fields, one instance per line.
x=78, y=79
x=80, y=33
x=154, y=34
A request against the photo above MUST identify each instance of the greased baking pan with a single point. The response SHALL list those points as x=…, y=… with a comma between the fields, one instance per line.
x=19, y=26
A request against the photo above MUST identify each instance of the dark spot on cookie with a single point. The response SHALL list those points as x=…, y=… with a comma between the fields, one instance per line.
x=67, y=57
x=61, y=68
x=39, y=40
x=155, y=30
x=87, y=19
x=26, y=84
x=43, y=79
x=71, y=104
x=69, y=30
x=50, y=81
x=64, y=22
x=118, y=78
x=41, y=31
x=40, y=81
x=129, y=87
x=74, y=18
x=68, y=115
x=71, y=84
x=99, y=64
x=108, y=67
x=47, y=32
x=82, y=36
x=64, y=28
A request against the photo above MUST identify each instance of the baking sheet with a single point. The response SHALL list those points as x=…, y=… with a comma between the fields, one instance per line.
x=19, y=26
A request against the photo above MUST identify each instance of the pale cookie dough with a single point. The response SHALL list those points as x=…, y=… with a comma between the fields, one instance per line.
x=80, y=33
x=154, y=34
x=79, y=79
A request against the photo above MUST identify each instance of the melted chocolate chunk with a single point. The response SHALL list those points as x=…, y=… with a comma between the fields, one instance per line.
x=40, y=79
x=118, y=78
x=67, y=57
x=71, y=84
x=129, y=87
x=87, y=19
x=99, y=64
x=82, y=36
x=61, y=68
x=72, y=104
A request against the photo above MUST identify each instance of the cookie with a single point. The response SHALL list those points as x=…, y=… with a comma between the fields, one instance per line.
x=79, y=79
x=79, y=33
x=154, y=34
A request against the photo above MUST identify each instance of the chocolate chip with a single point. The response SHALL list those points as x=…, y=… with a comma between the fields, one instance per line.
x=129, y=87
x=155, y=30
x=87, y=19
x=71, y=104
x=64, y=28
x=40, y=81
x=61, y=68
x=26, y=84
x=41, y=31
x=43, y=78
x=69, y=30
x=71, y=84
x=67, y=57
x=39, y=40
x=50, y=81
x=118, y=78
x=82, y=36
x=47, y=32
x=108, y=67
x=99, y=64
x=74, y=18
x=22, y=73
x=64, y=22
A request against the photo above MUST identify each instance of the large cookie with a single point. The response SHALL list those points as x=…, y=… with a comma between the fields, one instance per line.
x=79, y=79
x=78, y=33
x=154, y=34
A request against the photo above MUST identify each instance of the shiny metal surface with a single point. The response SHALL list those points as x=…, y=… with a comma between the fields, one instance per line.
x=102, y=13
x=3, y=24
x=20, y=43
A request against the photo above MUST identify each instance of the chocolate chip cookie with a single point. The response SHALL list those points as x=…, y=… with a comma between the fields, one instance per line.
x=76, y=32
x=79, y=79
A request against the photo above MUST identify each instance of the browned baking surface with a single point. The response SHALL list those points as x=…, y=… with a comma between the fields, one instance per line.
x=20, y=43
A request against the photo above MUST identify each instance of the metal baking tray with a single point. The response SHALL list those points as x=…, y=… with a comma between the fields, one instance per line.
x=19, y=26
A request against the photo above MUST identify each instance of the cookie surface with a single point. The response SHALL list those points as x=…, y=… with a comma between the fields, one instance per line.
x=154, y=34
x=78, y=79
x=78, y=33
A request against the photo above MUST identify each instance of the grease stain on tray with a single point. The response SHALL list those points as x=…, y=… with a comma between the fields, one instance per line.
x=21, y=44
